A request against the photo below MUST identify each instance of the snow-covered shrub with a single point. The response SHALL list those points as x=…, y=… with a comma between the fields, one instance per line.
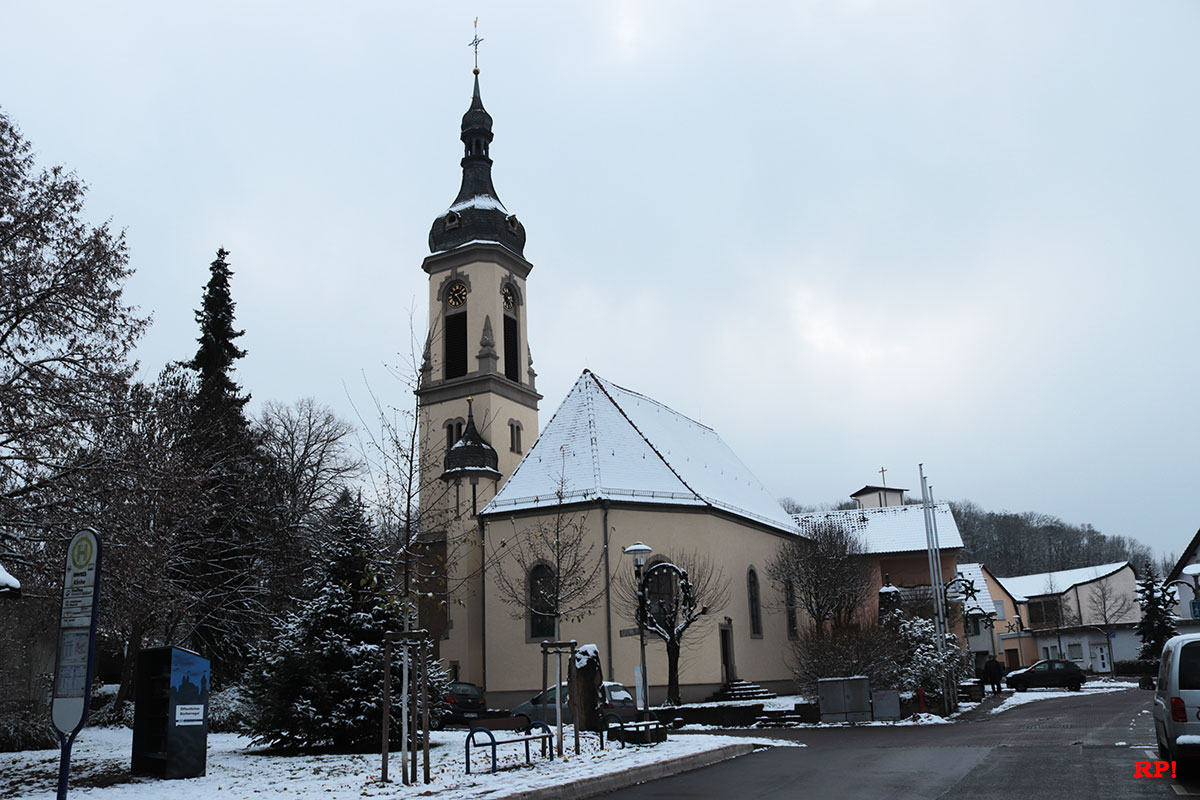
x=923, y=665
x=26, y=731
x=319, y=683
x=874, y=652
x=229, y=710
x=900, y=652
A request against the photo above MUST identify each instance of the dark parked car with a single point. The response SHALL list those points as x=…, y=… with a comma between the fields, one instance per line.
x=617, y=703
x=1055, y=673
x=465, y=702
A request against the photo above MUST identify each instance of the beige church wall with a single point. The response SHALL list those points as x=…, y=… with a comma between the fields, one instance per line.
x=514, y=662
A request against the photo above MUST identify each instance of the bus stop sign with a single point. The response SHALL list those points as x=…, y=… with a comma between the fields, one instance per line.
x=76, y=645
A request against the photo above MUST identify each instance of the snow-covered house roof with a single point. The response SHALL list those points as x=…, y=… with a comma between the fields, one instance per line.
x=892, y=529
x=1022, y=587
x=7, y=582
x=606, y=442
x=983, y=598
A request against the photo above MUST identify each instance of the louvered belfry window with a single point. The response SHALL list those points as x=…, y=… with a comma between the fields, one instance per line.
x=456, y=345
x=512, y=361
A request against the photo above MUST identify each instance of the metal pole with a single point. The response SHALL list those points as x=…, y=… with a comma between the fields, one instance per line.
x=545, y=688
x=425, y=706
x=558, y=693
x=413, y=696
x=64, y=765
x=404, y=728
x=577, y=699
x=642, y=643
x=387, y=704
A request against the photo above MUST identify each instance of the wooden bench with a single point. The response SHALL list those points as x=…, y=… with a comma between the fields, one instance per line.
x=519, y=723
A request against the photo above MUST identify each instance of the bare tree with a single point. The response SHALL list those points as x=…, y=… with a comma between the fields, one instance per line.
x=826, y=571
x=310, y=446
x=309, y=449
x=677, y=615
x=1107, y=604
x=549, y=568
x=65, y=341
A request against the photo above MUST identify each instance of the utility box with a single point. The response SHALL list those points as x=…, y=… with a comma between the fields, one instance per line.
x=845, y=699
x=170, y=718
x=885, y=704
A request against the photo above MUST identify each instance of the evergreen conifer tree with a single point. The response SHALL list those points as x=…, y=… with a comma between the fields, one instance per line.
x=219, y=559
x=320, y=682
x=1157, y=623
x=219, y=404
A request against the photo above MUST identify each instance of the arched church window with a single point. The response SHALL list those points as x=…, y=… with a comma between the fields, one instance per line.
x=514, y=435
x=541, y=602
x=454, y=431
x=755, y=606
x=660, y=595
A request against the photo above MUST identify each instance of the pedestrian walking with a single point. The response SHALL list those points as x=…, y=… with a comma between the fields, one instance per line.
x=992, y=673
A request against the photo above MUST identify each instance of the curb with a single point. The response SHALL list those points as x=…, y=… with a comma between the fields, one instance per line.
x=590, y=787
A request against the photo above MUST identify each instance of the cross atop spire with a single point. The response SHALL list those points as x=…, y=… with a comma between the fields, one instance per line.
x=475, y=43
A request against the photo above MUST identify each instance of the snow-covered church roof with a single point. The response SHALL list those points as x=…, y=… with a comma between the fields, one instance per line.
x=609, y=443
x=891, y=529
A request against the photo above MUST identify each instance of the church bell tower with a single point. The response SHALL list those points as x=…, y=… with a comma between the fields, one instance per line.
x=476, y=387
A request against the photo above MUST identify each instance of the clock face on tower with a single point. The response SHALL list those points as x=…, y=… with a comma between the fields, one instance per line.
x=509, y=297
x=456, y=295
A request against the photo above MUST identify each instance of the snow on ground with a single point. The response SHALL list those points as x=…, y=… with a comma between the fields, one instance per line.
x=100, y=769
x=786, y=702
x=1033, y=695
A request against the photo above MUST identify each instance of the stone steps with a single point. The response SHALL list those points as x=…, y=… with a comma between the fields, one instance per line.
x=741, y=690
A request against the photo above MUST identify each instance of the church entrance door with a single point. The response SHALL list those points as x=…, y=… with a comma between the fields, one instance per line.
x=728, y=671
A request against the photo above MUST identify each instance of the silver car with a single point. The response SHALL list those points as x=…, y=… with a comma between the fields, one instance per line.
x=1177, y=698
x=617, y=702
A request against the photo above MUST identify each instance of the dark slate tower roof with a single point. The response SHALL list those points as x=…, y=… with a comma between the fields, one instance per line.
x=471, y=456
x=477, y=213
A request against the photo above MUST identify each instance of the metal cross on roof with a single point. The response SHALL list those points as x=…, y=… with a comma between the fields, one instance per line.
x=475, y=43
x=883, y=475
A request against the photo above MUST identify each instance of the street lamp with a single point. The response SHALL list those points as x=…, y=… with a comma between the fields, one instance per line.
x=639, y=551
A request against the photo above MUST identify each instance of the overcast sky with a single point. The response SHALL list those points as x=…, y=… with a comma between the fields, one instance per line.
x=844, y=235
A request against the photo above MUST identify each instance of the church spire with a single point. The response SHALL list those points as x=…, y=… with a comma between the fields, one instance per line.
x=477, y=213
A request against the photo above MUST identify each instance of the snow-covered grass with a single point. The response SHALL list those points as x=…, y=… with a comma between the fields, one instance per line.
x=100, y=769
x=1034, y=695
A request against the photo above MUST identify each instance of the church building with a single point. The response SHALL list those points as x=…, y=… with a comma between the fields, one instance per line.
x=611, y=468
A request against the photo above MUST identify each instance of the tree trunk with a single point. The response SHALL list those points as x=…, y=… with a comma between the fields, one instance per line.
x=673, y=674
x=132, y=647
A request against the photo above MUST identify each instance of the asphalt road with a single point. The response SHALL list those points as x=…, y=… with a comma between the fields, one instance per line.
x=1077, y=747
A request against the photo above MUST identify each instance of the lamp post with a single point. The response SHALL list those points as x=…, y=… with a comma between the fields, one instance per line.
x=639, y=551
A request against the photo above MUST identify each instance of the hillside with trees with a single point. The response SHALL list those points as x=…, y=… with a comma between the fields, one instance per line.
x=1029, y=542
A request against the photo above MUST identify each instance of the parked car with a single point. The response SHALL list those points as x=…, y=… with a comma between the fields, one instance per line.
x=1177, y=698
x=1052, y=672
x=617, y=702
x=465, y=702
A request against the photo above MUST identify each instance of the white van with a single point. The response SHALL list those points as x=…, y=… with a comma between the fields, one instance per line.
x=1177, y=698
